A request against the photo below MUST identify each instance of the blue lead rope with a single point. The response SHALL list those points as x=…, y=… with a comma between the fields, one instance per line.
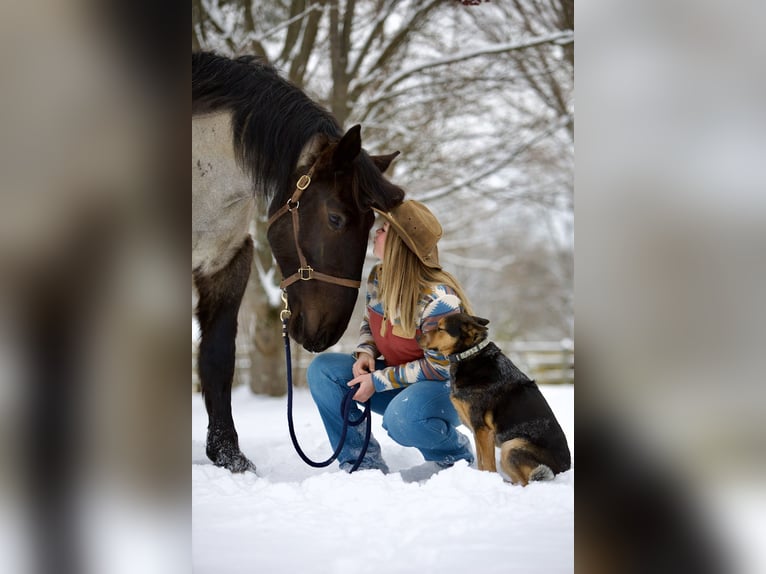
x=345, y=411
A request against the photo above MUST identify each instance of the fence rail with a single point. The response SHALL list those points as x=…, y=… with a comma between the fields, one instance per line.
x=544, y=361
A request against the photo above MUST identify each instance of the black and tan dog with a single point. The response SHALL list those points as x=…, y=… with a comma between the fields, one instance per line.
x=499, y=403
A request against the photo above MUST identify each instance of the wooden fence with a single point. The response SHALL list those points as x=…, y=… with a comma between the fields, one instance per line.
x=545, y=362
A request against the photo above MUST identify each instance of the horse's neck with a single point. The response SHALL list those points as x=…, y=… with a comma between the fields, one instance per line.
x=222, y=193
x=214, y=167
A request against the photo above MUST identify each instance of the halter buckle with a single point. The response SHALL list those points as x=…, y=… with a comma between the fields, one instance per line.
x=303, y=182
x=306, y=273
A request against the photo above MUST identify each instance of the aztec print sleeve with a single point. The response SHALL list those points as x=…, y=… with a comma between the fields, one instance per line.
x=433, y=366
x=366, y=342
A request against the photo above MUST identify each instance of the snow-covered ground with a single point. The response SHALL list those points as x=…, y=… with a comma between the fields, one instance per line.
x=292, y=518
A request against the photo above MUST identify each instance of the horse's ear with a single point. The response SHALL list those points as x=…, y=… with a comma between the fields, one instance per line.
x=383, y=161
x=348, y=148
x=480, y=320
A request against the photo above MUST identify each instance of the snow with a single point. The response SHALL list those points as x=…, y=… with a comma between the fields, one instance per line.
x=293, y=518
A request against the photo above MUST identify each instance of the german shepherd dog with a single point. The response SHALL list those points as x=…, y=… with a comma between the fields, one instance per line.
x=499, y=403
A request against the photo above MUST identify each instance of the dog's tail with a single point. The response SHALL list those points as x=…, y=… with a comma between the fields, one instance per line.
x=523, y=461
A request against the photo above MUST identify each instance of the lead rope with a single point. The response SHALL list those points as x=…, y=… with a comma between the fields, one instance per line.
x=345, y=408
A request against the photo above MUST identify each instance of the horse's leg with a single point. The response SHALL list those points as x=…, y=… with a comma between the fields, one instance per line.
x=220, y=296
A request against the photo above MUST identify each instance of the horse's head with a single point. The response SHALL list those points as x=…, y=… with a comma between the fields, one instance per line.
x=334, y=218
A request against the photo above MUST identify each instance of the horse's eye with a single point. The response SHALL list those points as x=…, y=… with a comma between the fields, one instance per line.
x=336, y=221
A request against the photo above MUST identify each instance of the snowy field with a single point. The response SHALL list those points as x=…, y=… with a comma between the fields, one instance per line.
x=292, y=518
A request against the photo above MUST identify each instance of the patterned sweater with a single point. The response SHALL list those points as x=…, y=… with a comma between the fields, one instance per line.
x=406, y=362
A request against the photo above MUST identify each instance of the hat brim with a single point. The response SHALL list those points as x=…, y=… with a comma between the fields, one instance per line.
x=408, y=240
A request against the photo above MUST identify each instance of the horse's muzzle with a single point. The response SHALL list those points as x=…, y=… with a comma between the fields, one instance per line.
x=313, y=340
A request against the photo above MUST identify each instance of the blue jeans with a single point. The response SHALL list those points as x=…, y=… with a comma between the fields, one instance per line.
x=420, y=415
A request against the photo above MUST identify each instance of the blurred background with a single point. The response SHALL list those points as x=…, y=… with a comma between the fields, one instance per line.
x=671, y=270
x=478, y=98
x=94, y=216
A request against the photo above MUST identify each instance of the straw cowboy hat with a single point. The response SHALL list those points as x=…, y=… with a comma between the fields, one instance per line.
x=418, y=228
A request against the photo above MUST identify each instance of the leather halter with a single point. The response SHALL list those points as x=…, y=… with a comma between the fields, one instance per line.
x=305, y=271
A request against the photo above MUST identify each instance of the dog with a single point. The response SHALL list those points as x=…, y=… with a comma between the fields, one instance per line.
x=499, y=403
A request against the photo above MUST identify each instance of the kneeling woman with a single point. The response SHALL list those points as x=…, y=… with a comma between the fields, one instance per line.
x=407, y=294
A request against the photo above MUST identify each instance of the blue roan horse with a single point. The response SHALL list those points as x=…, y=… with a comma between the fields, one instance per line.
x=255, y=135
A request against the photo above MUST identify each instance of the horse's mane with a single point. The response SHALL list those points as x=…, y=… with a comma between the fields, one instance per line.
x=272, y=121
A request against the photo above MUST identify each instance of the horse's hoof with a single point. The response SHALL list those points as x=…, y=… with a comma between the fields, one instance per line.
x=223, y=450
x=239, y=463
x=233, y=461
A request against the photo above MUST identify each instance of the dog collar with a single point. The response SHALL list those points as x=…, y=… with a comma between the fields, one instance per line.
x=468, y=352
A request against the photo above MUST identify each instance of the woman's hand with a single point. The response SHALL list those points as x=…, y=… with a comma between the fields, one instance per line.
x=365, y=363
x=366, y=387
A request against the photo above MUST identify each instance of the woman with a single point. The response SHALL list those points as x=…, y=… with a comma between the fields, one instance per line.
x=406, y=294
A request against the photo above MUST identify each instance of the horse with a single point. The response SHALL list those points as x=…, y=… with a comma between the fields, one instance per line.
x=258, y=139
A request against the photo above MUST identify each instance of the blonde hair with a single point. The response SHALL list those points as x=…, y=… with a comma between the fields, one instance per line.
x=402, y=279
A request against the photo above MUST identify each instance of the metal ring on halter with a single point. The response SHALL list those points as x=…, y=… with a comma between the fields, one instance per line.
x=284, y=314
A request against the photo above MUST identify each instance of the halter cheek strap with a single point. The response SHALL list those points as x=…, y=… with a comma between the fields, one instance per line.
x=305, y=271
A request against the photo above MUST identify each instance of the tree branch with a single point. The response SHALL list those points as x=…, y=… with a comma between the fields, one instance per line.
x=376, y=32
x=297, y=8
x=495, y=167
x=300, y=61
x=399, y=39
x=294, y=19
x=557, y=37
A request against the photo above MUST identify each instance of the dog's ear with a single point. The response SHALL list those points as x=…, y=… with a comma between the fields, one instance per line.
x=474, y=329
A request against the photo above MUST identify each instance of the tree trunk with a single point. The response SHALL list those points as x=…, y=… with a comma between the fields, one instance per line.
x=267, y=362
x=338, y=58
